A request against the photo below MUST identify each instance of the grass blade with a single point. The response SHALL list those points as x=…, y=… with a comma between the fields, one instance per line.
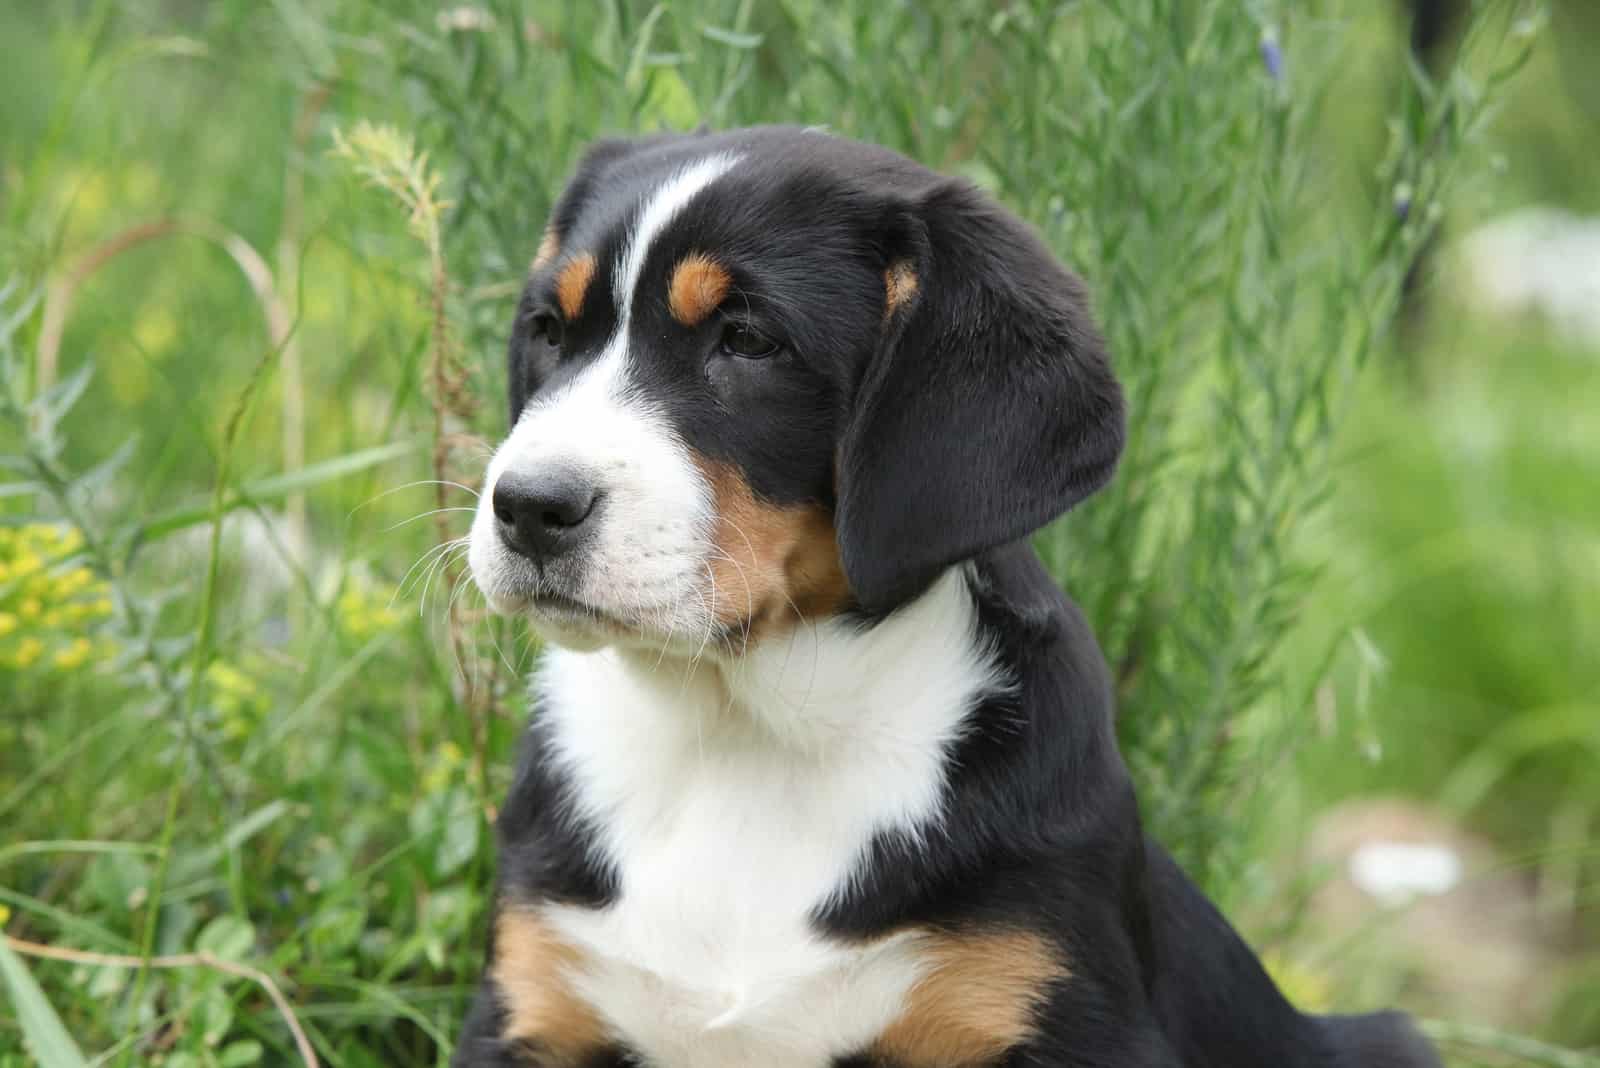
x=277, y=486
x=46, y=1036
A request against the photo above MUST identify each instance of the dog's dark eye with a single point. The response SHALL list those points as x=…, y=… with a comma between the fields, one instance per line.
x=549, y=328
x=740, y=340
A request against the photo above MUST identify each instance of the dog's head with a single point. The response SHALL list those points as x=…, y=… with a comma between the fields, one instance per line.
x=770, y=375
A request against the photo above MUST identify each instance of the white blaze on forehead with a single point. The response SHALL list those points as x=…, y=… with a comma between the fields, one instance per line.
x=643, y=560
x=660, y=209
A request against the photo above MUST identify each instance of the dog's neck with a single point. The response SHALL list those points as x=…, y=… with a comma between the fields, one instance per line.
x=811, y=689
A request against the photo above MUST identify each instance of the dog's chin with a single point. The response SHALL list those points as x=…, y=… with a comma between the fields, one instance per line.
x=574, y=625
x=560, y=620
x=585, y=620
x=581, y=627
x=585, y=637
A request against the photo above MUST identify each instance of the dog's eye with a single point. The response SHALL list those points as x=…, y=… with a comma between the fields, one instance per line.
x=740, y=340
x=549, y=328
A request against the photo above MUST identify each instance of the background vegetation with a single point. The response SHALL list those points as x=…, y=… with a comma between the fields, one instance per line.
x=256, y=264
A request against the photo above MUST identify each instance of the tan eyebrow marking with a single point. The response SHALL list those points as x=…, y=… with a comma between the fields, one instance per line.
x=572, y=284
x=699, y=283
x=549, y=245
x=899, y=285
x=976, y=1001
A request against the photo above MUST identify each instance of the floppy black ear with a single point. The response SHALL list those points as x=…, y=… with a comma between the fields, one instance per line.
x=989, y=410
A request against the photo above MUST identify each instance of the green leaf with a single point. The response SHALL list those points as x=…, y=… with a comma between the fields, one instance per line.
x=278, y=486
x=227, y=937
x=196, y=864
x=238, y=1054
x=101, y=474
x=731, y=38
x=251, y=825
x=669, y=102
x=42, y=1029
x=58, y=400
x=117, y=881
x=454, y=823
x=212, y=1016
x=335, y=931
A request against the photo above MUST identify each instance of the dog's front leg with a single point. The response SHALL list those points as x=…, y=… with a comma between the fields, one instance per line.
x=488, y=1040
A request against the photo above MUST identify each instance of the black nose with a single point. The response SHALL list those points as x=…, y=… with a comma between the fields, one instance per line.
x=541, y=514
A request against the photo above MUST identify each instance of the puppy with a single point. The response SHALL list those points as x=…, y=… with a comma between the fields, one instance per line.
x=822, y=770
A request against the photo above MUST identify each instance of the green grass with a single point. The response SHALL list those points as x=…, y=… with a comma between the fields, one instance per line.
x=275, y=743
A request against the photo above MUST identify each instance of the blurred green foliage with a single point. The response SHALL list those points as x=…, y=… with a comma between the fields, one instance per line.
x=277, y=750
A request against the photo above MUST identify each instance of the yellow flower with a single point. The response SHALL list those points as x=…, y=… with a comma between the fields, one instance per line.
x=74, y=655
x=28, y=650
x=230, y=679
x=30, y=608
x=130, y=380
x=86, y=195
x=26, y=563
x=5, y=915
x=155, y=330
x=75, y=580
x=8, y=623
x=365, y=612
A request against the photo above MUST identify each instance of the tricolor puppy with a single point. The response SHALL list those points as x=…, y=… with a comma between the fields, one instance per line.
x=822, y=770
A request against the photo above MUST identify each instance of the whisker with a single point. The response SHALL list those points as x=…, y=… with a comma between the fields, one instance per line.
x=427, y=553
x=749, y=621
x=462, y=582
x=441, y=562
x=410, y=485
x=516, y=668
x=672, y=630
x=424, y=515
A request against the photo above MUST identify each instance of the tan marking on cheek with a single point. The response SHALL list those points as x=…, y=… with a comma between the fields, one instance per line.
x=532, y=970
x=773, y=564
x=572, y=284
x=549, y=246
x=899, y=286
x=698, y=285
x=976, y=1000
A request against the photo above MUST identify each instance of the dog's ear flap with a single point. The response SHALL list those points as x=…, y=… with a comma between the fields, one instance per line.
x=989, y=408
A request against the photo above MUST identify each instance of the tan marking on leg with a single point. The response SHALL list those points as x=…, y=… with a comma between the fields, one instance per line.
x=698, y=285
x=774, y=564
x=532, y=970
x=899, y=286
x=549, y=245
x=572, y=284
x=976, y=1000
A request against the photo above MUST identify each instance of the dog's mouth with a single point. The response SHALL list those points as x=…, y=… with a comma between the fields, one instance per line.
x=560, y=607
x=541, y=604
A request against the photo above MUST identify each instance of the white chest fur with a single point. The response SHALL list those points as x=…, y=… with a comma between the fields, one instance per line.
x=732, y=803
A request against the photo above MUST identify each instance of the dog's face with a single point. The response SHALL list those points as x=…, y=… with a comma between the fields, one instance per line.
x=772, y=375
